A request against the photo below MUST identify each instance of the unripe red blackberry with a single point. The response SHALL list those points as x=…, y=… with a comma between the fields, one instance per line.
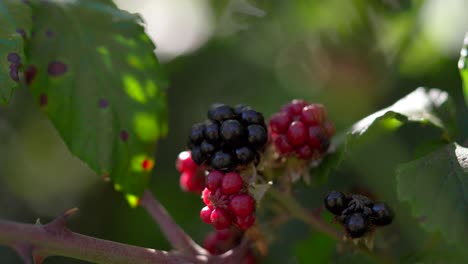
x=192, y=178
x=205, y=214
x=301, y=129
x=229, y=138
x=220, y=219
x=242, y=205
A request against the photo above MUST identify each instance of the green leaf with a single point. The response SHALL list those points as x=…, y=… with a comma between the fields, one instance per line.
x=15, y=20
x=463, y=66
x=318, y=248
x=436, y=186
x=100, y=83
x=426, y=106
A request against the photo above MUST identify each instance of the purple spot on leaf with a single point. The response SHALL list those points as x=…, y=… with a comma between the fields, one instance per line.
x=57, y=68
x=43, y=100
x=103, y=103
x=14, y=74
x=30, y=73
x=14, y=58
x=49, y=33
x=124, y=135
x=21, y=32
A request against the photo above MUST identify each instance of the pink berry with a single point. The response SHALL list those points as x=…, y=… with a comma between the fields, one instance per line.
x=211, y=244
x=185, y=162
x=304, y=152
x=313, y=114
x=205, y=214
x=294, y=108
x=245, y=222
x=282, y=145
x=279, y=123
x=220, y=219
x=192, y=181
x=314, y=137
x=297, y=133
x=206, y=194
x=242, y=205
x=329, y=129
x=224, y=234
x=231, y=183
x=213, y=180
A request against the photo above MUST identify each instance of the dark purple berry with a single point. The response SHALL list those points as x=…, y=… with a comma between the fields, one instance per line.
x=232, y=132
x=245, y=155
x=14, y=58
x=221, y=160
x=238, y=109
x=212, y=132
x=14, y=74
x=382, y=214
x=336, y=202
x=257, y=136
x=197, y=155
x=356, y=225
x=197, y=133
x=250, y=117
x=207, y=148
x=220, y=112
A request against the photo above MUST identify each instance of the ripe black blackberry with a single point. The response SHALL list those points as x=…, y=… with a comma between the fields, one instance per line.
x=231, y=137
x=357, y=213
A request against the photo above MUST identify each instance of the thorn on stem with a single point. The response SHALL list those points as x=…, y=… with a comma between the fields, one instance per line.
x=58, y=225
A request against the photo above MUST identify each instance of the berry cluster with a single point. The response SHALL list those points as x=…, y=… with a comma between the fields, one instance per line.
x=227, y=201
x=192, y=178
x=15, y=64
x=229, y=138
x=301, y=128
x=358, y=213
x=221, y=241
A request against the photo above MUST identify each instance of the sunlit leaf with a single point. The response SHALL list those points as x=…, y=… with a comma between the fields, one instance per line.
x=100, y=83
x=15, y=27
x=463, y=66
x=425, y=106
x=436, y=186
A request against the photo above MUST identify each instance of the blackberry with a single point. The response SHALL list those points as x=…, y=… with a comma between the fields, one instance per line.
x=381, y=214
x=231, y=137
x=357, y=213
x=336, y=202
x=356, y=225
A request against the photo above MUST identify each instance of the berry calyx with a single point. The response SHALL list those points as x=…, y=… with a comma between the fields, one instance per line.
x=232, y=182
x=220, y=219
x=242, y=205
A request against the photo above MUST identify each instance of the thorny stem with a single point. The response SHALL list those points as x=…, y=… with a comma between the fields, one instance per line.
x=55, y=239
x=173, y=232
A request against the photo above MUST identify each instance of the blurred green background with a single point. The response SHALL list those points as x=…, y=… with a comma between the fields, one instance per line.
x=355, y=57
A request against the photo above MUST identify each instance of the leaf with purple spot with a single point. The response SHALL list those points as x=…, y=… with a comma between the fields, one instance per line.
x=97, y=78
x=15, y=22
